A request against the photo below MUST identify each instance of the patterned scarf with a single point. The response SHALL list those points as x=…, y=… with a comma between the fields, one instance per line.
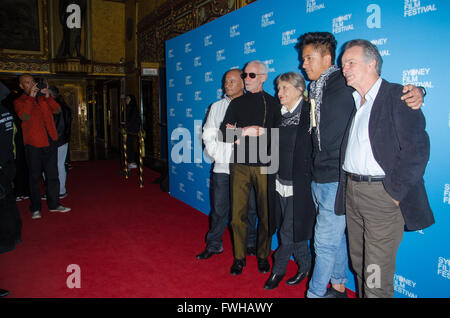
x=291, y=119
x=316, y=92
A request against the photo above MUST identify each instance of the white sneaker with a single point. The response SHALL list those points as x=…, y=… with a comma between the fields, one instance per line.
x=36, y=215
x=61, y=209
x=132, y=165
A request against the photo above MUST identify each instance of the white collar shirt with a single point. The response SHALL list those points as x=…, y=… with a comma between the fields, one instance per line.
x=359, y=157
x=219, y=151
x=284, y=109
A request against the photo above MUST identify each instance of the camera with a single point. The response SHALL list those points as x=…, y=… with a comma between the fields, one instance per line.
x=41, y=85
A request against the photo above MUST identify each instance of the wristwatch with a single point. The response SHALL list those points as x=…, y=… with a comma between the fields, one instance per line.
x=424, y=92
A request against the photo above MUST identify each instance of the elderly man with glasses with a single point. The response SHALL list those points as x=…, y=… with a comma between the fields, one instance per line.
x=247, y=120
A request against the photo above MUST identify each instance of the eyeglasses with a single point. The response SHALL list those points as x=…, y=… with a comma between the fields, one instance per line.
x=252, y=75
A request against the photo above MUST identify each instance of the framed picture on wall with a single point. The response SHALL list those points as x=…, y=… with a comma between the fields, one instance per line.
x=21, y=26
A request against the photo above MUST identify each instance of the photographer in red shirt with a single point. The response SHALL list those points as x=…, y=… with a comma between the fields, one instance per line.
x=35, y=107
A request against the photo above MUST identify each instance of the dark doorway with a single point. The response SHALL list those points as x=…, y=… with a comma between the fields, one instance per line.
x=148, y=118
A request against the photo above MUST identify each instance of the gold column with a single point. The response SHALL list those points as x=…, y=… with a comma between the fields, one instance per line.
x=125, y=158
x=141, y=156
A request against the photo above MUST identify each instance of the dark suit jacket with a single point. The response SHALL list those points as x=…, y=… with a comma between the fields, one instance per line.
x=401, y=147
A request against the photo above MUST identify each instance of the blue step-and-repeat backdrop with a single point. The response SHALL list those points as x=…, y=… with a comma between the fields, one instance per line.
x=412, y=36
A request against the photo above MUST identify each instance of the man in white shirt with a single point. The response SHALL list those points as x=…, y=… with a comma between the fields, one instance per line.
x=386, y=150
x=221, y=152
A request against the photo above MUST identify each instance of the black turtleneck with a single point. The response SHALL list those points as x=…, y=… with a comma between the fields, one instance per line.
x=249, y=110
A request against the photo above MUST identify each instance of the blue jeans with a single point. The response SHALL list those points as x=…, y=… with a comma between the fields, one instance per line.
x=62, y=154
x=330, y=243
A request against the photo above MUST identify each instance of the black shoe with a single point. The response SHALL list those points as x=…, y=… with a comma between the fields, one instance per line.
x=273, y=281
x=238, y=265
x=206, y=254
x=295, y=280
x=251, y=250
x=263, y=265
x=4, y=293
x=333, y=293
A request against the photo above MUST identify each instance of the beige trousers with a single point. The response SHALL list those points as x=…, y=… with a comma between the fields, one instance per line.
x=375, y=228
x=243, y=177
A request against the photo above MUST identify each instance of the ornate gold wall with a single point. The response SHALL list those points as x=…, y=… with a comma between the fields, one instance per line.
x=102, y=48
x=147, y=7
x=108, y=31
x=172, y=18
x=117, y=37
x=103, y=41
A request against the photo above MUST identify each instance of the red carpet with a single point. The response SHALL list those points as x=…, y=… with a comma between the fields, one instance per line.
x=128, y=242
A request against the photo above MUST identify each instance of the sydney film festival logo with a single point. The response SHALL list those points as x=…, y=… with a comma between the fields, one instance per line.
x=267, y=20
x=405, y=286
x=312, y=5
x=443, y=267
x=288, y=37
x=187, y=48
x=234, y=31
x=447, y=192
x=381, y=43
x=417, y=77
x=416, y=7
x=342, y=24
x=249, y=47
x=197, y=61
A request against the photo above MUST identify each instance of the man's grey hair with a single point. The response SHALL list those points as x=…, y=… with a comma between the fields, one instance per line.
x=370, y=52
x=262, y=66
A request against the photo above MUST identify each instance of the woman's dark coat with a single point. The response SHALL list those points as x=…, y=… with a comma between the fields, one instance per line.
x=304, y=209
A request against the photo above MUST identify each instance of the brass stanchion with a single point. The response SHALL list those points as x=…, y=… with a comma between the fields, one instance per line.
x=141, y=135
x=125, y=161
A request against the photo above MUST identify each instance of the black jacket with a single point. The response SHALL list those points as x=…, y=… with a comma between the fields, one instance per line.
x=304, y=209
x=133, y=119
x=63, y=123
x=401, y=147
x=6, y=136
x=10, y=221
x=335, y=111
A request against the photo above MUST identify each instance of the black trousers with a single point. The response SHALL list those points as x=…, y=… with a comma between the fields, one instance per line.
x=21, y=186
x=287, y=245
x=38, y=160
x=10, y=223
x=132, y=148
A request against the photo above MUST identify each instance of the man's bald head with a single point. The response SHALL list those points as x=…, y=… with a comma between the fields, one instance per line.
x=26, y=82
